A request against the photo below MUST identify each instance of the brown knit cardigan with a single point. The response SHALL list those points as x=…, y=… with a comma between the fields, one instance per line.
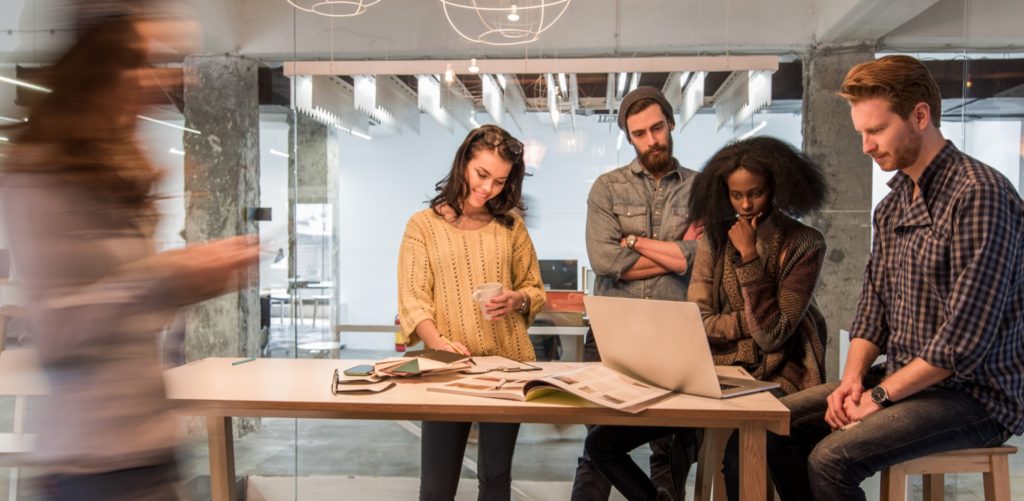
x=761, y=314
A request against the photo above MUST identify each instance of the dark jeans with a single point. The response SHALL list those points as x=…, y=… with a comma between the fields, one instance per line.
x=609, y=447
x=442, y=448
x=591, y=485
x=148, y=483
x=815, y=462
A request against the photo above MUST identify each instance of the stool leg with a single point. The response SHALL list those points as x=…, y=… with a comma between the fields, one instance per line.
x=997, y=479
x=894, y=484
x=934, y=486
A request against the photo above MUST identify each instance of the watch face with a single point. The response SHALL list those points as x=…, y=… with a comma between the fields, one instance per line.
x=878, y=395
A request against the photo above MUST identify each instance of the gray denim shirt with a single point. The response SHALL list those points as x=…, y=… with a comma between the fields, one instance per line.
x=628, y=201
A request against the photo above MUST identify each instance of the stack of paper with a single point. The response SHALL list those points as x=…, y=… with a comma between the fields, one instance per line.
x=421, y=363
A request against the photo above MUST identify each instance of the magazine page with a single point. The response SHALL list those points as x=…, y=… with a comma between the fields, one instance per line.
x=487, y=385
x=603, y=386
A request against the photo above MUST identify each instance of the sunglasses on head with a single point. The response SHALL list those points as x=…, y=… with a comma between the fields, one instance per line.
x=495, y=137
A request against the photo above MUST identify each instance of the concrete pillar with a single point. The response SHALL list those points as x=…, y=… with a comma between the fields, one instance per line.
x=221, y=182
x=830, y=140
x=314, y=176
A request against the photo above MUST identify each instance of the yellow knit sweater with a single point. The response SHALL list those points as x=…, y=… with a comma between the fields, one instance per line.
x=438, y=266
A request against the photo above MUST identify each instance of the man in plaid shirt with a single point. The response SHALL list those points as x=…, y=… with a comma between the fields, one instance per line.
x=943, y=299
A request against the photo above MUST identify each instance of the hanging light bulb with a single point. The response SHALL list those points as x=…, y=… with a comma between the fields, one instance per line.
x=473, y=68
x=449, y=75
x=513, y=13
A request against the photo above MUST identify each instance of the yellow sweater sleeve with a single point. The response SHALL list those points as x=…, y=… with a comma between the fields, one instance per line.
x=526, y=270
x=415, y=280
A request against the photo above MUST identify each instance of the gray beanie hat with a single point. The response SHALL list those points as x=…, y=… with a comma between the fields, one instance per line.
x=642, y=93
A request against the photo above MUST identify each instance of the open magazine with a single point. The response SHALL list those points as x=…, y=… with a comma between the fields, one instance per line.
x=595, y=382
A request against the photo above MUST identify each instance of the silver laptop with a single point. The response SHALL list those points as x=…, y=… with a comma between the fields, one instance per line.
x=662, y=343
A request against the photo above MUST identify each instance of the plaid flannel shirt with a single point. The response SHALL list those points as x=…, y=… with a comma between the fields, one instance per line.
x=945, y=281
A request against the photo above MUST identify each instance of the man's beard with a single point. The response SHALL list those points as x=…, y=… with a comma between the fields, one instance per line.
x=657, y=159
x=908, y=151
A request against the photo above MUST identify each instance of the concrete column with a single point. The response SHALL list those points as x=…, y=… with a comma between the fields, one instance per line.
x=830, y=140
x=221, y=182
x=314, y=177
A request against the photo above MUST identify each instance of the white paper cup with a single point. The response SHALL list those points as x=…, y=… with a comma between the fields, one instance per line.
x=483, y=293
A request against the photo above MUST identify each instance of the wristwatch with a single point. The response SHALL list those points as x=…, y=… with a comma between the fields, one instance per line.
x=524, y=307
x=880, y=396
x=631, y=241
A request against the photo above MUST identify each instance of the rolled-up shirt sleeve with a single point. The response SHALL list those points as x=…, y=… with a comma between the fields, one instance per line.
x=607, y=256
x=984, y=229
x=689, y=250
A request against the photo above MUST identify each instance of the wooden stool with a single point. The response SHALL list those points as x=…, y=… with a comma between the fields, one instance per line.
x=991, y=462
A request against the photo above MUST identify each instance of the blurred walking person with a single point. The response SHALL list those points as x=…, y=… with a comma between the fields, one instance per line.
x=80, y=216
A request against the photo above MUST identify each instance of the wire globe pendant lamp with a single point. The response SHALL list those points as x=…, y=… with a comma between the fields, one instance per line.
x=333, y=8
x=503, y=22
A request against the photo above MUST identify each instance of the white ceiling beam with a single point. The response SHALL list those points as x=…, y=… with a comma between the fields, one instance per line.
x=864, y=20
x=582, y=65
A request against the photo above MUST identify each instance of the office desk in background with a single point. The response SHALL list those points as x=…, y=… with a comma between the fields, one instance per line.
x=294, y=388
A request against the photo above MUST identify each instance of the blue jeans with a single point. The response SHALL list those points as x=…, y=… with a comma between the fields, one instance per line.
x=441, y=451
x=815, y=462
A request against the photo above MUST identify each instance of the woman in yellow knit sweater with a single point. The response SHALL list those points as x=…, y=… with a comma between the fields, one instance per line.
x=469, y=236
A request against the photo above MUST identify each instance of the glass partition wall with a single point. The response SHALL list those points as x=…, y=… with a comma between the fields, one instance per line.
x=331, y=206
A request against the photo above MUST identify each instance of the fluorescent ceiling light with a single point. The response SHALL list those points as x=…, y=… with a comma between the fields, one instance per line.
x=175, y=151
x=278, y=153
x=22, y=83
x=14, y=120
x=753, y=131
x=635, y=83
x=168, y=124
x=360, y=134
x=4, y=139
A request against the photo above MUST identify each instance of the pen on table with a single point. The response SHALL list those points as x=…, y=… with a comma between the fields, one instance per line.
x=242, y=361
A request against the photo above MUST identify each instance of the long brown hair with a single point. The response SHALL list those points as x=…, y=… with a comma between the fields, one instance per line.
x=82, y=126
x=454, y=188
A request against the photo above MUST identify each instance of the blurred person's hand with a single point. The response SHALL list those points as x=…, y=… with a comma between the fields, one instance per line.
x=208, y=270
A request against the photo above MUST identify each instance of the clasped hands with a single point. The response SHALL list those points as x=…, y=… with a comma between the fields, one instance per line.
x=848, y=404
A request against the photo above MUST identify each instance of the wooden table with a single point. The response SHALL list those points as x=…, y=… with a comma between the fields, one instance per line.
x=293, y=388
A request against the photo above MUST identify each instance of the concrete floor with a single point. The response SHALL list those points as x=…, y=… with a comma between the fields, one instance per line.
x=312, y=459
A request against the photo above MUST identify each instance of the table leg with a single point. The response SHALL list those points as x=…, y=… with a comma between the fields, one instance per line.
x=753, y=467
x=222, y=458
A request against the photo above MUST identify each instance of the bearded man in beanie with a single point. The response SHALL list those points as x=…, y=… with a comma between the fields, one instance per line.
x=640, y=246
